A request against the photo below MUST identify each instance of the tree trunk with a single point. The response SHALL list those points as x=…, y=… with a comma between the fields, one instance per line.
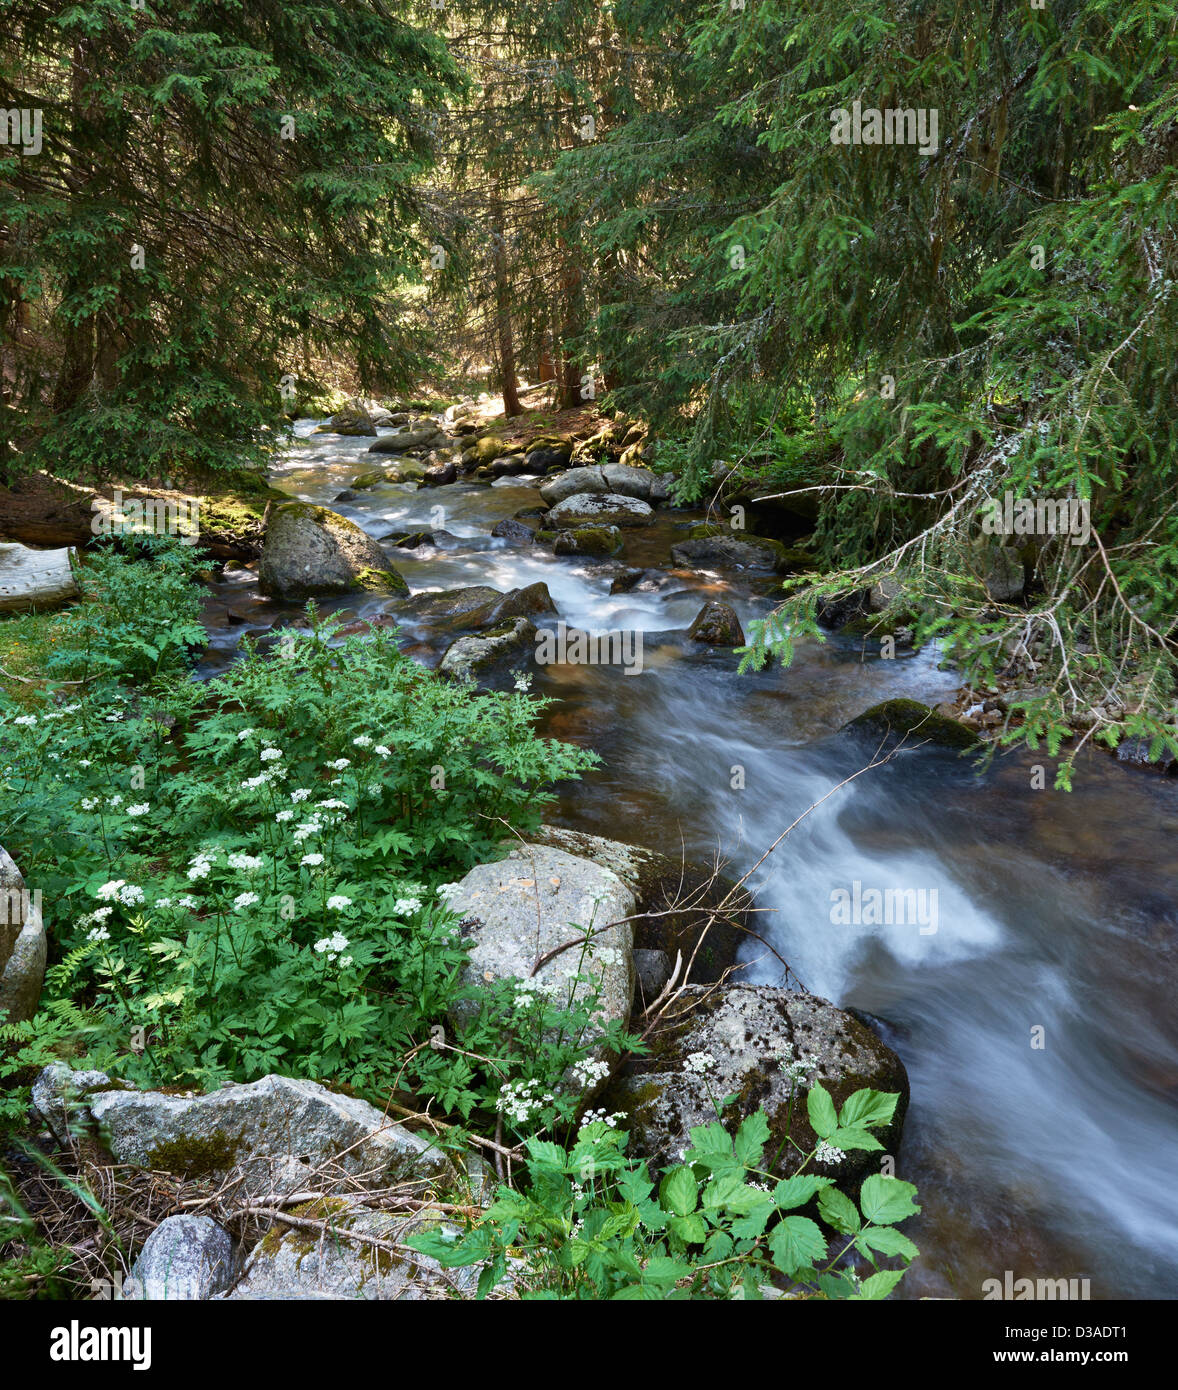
x=503, y=332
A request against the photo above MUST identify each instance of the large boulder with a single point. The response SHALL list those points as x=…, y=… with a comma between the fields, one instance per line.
x=614, y=478
x=767, y=1047
x=269, y=1132
x=185, y=1258
x=728, y=550
x=686, y=908
x=22, y=945
x=349, y=1251
x=535, y=900
x=491, y=659
x=309, y=550
x=425, y=436
x=353, y=418
x=598, y=509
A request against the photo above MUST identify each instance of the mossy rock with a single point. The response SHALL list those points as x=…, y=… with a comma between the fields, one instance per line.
x=309, y=550
x=752, y=1033
x=597, y=541
x=909, y=718
x=373, y=478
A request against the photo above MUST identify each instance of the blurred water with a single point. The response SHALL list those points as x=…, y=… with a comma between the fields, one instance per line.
x=1054, y=912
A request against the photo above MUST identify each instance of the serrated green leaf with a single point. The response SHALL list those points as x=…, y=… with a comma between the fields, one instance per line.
x=887, y=1200
x=820, y=1108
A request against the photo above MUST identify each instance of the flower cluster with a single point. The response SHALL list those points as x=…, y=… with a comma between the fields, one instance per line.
x=699, y=1063
x=333, y=947
x=119, y=890
x=589, y=1073
x=518, y=1101
x=827, y=1153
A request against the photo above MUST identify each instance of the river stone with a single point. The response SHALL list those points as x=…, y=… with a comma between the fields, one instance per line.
x=478, y=606
x=728, y=551
x=353, y=418
x=426, y=435
x=895, y=719
x=309, y=550
x=439, y=474
x=601, y=509
x=292, y=1262
x=490, y=659
x=514, y=532
x=246, y=1128
x=405, y=470
x=449, y=604
x=533, y=600
x=717, y=625
x=22, y=946
x=653, y=970
x=588, y=479
x=629, y=480
x=612, y=478
x=184, y=1258
x=751, y=1033
x=534, y=900
x=596, y=541
x=688, y=908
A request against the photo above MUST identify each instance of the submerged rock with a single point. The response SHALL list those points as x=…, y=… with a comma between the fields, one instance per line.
x=729, y=551
x=596, y=541
x=310, y=550
x=767, y=1047
x=895, y=719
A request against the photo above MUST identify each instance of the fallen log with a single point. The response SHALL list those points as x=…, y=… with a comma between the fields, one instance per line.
x=35, y=578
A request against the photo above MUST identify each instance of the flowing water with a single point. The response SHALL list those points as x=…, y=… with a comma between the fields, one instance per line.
x=1036, y=1021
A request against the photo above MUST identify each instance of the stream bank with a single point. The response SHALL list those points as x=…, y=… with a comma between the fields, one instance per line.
x=1056, y=910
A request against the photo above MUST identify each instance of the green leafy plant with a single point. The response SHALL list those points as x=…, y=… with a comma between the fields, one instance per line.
x=592, y=1223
